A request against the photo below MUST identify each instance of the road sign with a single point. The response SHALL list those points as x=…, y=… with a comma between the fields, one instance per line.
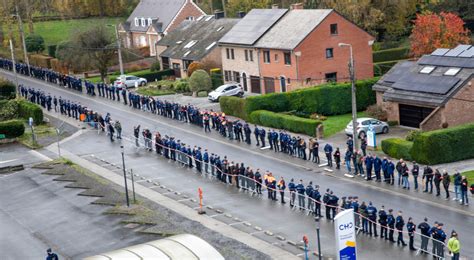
x=371, y=141
x=345, y=235
x=30, y=121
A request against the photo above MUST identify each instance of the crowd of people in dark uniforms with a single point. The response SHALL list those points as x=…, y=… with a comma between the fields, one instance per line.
x=246, y=178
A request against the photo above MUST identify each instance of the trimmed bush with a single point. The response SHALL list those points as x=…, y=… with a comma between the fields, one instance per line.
x=397, y=148
x=233, y=106
x=7, y=90
x=391, y=54
x=326, y=99
x=52, y=50
x=8, y=109
x=12, y=128
x=291, y=123
x=216, y=78
x=148, y=75
x=444, y=145
x=27, y=110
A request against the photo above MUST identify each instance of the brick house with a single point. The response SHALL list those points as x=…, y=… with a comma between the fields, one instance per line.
x=239, y=56
x=152, y=19
x=294, y=56
x=194, y=41
x=434, y=92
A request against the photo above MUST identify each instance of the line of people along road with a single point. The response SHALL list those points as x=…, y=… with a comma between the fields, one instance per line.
x=302, y=197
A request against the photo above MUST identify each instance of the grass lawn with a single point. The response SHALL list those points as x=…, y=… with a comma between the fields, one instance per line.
x=335, y=124
x=54, y=32
x=40, y=131
x=470, y=176
x=153, y=91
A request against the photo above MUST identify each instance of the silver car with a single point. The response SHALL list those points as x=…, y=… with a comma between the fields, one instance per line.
x=363, y=125
x=231, y=89
x=129, y=81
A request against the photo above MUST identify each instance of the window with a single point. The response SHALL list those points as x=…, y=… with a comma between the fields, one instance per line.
x=186, y=64
x=200, y=18
x=179, y=42
x=251, y=55
x=232, y=54
x=334, y=29
x=276, y=57
x=227, y=75
x=266, y=56
x=289, y=80
x=190, y=44
x=220, y=28
x=186, y=53
x=287, y=57
x=209, y=18
x=150, y=21
x=190, y=18
x=427, y=69
x=236, y=76
x=143, y=21
x=211, y=45
x=227, y=52
x=329, y=53
x=136, y=22
x=452, y=72
x=331, y=77
x=246, y=55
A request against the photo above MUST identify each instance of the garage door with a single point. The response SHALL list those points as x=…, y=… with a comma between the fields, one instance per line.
x=412, y=116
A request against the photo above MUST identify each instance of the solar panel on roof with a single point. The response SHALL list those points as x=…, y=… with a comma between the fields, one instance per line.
x=445, y=61
x=469, y=53
x=456, y=51
x=426, y=84
x=440, y=52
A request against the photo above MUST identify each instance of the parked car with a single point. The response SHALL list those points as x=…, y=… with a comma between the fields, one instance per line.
x=231, y=89
x=128, y=81
x=363, y=125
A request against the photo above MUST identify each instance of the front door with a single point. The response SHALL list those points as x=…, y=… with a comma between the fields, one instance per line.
x=244, y=81
x=269, y=85
x=177, y=70
x=255, y=84
x=283, y=84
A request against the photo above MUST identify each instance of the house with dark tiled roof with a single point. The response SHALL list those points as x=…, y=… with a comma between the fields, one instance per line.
x=434, y=92
x=194, y=41
x=152, y=19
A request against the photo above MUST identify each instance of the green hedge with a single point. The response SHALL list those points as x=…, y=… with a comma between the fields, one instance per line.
x=381, y=68
x=12, y=128
x=444, y=145
x=391, y=54
x=326, y=99
x=291, y=123
x=27, y=110
x=148, y=75
x=397, y=148
x=233, y=106
x=7, y=90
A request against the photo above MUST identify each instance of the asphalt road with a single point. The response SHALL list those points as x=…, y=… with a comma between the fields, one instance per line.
x=262, y=212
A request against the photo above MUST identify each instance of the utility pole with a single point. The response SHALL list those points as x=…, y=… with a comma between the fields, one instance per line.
x=125, y=176
x=20, y=24
x=14, y=66
x=119, y=45
x=354, y=101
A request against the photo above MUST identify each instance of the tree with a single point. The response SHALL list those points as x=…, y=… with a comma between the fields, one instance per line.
x=92, y=48
x=432, y=31
x=234, y=6
x=34, y=43
x=200, y=81
x=193, y=67
x=155, y=66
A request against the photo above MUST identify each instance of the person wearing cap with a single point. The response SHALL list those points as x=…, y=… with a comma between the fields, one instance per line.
x=424, y=227
x=399, y=223
x=454, y=246
x=309, y=194
x=281, y=187
x=51, y=255
x=292, y=189
x=301, y=190
x=391, y=225
x=383, y=223
x=372, y=215
x=411, y=227
x=438, y=240
x=317, y=199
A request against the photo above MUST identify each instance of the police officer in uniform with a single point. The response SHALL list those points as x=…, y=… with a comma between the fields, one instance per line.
x=301, y=190
x=292, y=189
x=391, y=225
x=383, y=223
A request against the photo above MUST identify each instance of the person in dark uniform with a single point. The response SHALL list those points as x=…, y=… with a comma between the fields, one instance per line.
x=391, y=225
x=258, y=181
x=51, y=255
x=372, y=216
x=301, y=190
x=428, y=177
x=247, y=132
x=316, y=195
x=256, y=132
x=328, y=152
x=281, y=188
x=399, y=224
x=383, y=223
x=437, y=182
x=292, y=189
x=411, y=227
x=262, y=136
x=337, y=158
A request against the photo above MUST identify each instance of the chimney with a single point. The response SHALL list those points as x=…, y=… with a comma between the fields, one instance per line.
x=275, y=6
x=241, y=14
x=296, y=6
x=218, y=14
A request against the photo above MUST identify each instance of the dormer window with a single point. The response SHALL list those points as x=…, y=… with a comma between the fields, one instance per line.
x=220, y=28
x=136, y=22
x=150, y=21
x=190, y=44
x=427, y=69
x=143, y=22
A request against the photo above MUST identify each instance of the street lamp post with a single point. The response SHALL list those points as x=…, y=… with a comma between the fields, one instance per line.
x=22, y=33
x=354, y=102
x=318, y=226
x=119, y=46
x=125, y=176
